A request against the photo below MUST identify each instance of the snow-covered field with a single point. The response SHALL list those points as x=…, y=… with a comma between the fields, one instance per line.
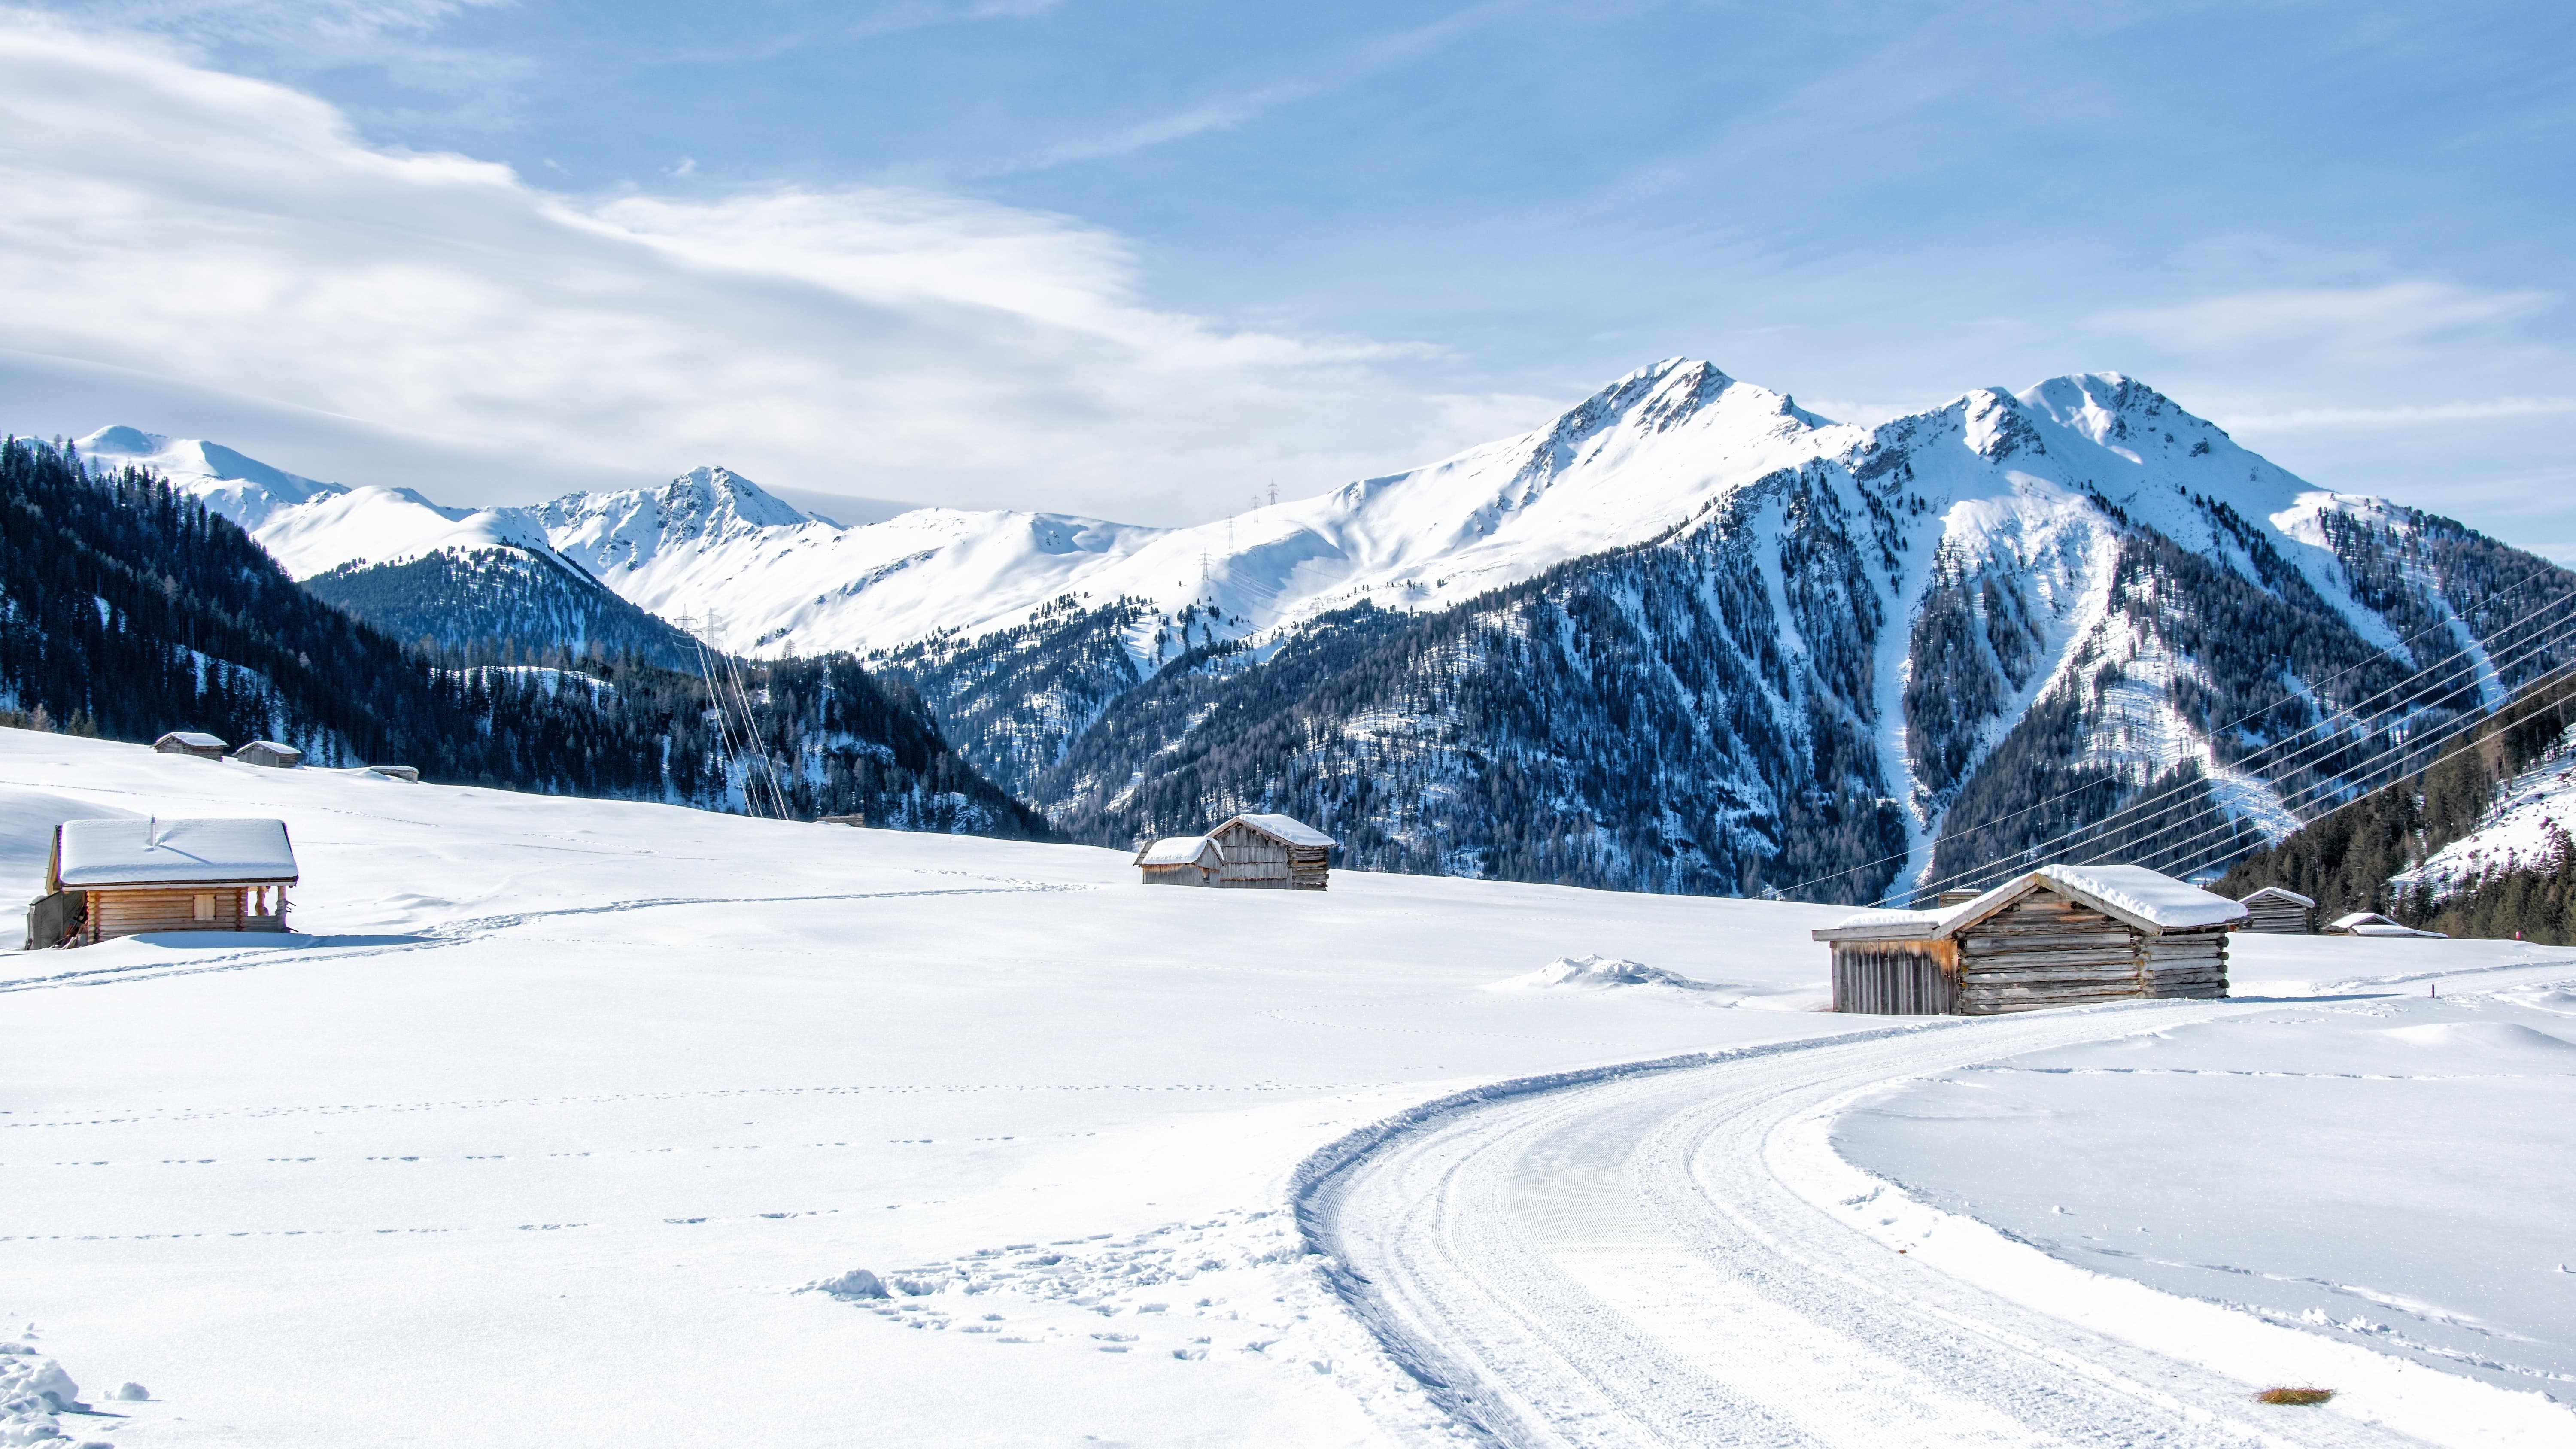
x=2377, y=1162
x=547, y=1124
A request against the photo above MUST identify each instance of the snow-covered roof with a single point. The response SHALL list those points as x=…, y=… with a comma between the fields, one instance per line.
x=92, y=853
x=2148, y=899
x=1176, y=850
x=289, y=752
x=194, y=739
x=2371, y=923
x=2276, y=893
x=2143, y=898
x=1283, y=827
x=1885, y=925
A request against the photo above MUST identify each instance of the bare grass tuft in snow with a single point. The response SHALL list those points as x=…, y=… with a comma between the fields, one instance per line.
x=2301, y=1397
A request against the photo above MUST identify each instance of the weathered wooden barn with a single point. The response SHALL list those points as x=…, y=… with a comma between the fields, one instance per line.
x=1181, y=860
x=131, y=876
x=191, y=742
x=1273, y=852
x=2058, y=936
x=2276, y=912
x=2371, y=923
x=271, y=754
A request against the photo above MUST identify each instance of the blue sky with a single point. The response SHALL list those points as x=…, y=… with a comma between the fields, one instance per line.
x=1309, y=242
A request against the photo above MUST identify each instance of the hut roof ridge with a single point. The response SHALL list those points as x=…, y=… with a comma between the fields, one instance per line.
x=2275, y=893
x=1285, y=827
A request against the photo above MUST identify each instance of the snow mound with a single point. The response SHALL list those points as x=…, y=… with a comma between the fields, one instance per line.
x=33, y=1388
x=2480, y=1036
x=1598, y=973
x=856, y=1283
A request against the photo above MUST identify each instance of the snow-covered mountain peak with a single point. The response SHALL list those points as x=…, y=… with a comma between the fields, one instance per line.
x=716, y=497
x=242, y=488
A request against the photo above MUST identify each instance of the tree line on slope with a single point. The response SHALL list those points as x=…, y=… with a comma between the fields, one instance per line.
x=128, y=609
x=2347, y=861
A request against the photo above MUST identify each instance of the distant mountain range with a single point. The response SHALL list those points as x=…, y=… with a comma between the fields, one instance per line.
x=1687, y=636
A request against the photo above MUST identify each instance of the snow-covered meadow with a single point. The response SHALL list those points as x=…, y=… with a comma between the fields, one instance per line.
x=539, y=1124
x=590, y=1123
x=2371, y=1161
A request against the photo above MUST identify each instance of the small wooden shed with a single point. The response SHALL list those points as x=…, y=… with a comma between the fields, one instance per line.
x=1272, y=852
x=1181, y=860
x=171, y=875
x=271, y=754
x=191, y=742
x=2276, y=912
x=2058, y=936
x=2372, y=923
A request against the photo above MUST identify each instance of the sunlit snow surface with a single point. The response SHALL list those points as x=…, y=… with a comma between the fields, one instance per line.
x=552, y=1118
x=2375, y=1163
x=536, y=1131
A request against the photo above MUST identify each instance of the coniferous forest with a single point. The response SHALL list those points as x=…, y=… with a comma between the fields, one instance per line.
x=127, y=610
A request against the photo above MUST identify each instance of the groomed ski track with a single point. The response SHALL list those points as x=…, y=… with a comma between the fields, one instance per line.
x=1626, y=1257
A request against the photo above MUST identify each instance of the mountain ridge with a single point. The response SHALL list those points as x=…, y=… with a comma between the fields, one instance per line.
x=1856, y=620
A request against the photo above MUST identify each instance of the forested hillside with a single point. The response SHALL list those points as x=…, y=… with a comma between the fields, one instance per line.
x=2371, y=856
x=500, y=606
x=127, y=610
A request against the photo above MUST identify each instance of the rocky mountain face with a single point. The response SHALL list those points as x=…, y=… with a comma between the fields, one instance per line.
x=1688, y=636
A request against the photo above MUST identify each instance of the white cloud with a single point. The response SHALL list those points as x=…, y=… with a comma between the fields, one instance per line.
x=2401, y=415
x=218, y=233
x=2388, y=322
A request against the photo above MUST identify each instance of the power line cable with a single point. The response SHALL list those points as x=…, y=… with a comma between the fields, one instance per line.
x=2406, y=643
x=2175, y=795
x=2233, y=825
x=2442, y=664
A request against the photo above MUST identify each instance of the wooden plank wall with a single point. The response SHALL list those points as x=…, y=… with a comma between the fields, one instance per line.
x=2191, y=964
x=1252, y=859
x=127, y=911
x=1896, y=978
x=2276, y=918
x=1308, y=867
x=2045, y=950
x=1188, y=875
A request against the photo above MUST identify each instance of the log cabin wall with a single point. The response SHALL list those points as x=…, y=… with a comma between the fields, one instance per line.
x=2046, y=950
x=131, y=910
x=1252, y=859
x=1896, y=978
x=1308, y=867
x=2188, y=964
x=2276, y=918
x=1188, y=874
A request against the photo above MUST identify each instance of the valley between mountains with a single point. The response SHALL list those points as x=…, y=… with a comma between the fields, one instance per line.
x=1687, y=637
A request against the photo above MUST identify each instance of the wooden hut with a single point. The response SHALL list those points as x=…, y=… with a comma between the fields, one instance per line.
x=1272, y=852
x=1181, y=860
x=271, y=754
x=2059, y=936
x=2372, y=923
x=170, y=875
x=2276, y=912
x=191, y=742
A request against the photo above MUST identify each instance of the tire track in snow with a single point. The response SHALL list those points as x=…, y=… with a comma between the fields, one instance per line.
x=1633, y=1256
